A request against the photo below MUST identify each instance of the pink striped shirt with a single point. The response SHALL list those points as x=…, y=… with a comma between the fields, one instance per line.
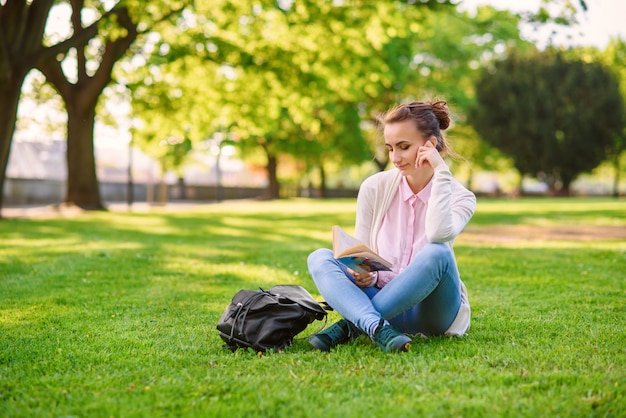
x=403, y=230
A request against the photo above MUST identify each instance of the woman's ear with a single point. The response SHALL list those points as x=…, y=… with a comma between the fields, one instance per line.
x=433, y=140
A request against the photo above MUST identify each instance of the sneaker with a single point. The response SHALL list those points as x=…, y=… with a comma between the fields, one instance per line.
x=390, y=339
x=338, y=333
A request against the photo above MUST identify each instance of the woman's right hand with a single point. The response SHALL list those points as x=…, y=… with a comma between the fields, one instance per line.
x=428, y=154
x=364, y=279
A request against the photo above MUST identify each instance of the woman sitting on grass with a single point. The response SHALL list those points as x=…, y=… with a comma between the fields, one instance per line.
x=410, y=216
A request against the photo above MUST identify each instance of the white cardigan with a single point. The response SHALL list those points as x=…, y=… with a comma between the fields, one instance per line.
x=450, y=208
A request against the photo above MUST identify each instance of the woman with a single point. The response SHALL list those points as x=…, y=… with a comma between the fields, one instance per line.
x=409, y=215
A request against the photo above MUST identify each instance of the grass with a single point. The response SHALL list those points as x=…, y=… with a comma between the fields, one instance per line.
x=113, y=315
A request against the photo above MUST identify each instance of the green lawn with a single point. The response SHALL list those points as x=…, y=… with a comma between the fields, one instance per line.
x=113, y=315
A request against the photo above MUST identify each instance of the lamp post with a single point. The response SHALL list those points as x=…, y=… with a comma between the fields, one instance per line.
x=129, y=191
x=220, y=145
x=217, y=140
x=218, y=169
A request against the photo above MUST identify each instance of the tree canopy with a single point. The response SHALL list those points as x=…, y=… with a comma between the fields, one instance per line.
x=308, y=81
x=555, y=116
x=289, y=78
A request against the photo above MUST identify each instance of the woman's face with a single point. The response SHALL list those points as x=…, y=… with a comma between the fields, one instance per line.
x=402, y=140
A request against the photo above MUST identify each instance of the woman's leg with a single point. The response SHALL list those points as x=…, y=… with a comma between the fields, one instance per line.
x=426, y=296
x=339, y=290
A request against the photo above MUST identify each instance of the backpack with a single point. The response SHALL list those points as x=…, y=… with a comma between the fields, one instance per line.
x=268, y=319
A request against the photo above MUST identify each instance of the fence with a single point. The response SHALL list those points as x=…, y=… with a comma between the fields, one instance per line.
x=18, y=192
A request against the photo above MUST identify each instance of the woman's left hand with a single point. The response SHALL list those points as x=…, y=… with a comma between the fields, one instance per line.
x=428, y=154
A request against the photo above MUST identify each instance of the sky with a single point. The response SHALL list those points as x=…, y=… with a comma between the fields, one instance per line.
x=603, y=20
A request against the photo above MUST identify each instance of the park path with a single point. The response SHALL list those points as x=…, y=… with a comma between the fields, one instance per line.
x=508, y=233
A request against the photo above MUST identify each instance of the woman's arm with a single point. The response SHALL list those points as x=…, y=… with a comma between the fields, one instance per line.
x=365, y=204
x=450, y=207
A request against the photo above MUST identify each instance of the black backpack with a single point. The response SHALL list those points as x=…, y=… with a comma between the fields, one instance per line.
x=268, y=319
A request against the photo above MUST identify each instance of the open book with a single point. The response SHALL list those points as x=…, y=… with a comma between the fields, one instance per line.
x=354, y=254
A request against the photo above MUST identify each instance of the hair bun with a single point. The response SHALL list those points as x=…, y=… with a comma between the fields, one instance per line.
x=441, y=111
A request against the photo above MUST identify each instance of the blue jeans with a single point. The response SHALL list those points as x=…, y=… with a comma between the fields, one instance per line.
x=424, y=298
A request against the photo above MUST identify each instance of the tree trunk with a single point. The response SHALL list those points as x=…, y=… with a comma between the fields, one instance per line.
x=82, y=182
x=616, y=167
x=323, y=188
x=9, y=99
x=273, y=188
x=22, y=26
x=518, y=191
x=563, y=192
x=559, y=190
x=566, y=185
x=182, y=189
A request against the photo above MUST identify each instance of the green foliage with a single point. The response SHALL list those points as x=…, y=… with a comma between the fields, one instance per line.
x=293, y=78
x=555, y=117
x=614, y=57
x=113, y=314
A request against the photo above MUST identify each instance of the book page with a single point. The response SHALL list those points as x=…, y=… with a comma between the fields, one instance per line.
x=344, y=243
x=353, y=252
x=364, y=264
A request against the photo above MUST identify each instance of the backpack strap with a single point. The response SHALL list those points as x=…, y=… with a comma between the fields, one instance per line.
x=242, y=311
x=314, y=332
x=326, y=306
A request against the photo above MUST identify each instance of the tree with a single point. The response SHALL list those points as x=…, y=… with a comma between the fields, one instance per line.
x=554, y=116
x=81, y=97
x=94, y=58
x=22, y=25
x=614, y=57
x=101, y=34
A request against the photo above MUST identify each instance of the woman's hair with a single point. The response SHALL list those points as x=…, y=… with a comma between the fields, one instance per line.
x=430, y=118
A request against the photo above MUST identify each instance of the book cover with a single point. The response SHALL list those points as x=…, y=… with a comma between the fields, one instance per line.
x=354, y=254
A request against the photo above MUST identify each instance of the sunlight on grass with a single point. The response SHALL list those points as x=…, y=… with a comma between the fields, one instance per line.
x=22, y=315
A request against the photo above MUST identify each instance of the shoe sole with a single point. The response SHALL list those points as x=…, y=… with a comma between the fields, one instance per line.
x=317, y=343
x=401, y=349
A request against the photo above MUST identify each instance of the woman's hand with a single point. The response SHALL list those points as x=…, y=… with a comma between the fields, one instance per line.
x=428, y=154
x=364, y=279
